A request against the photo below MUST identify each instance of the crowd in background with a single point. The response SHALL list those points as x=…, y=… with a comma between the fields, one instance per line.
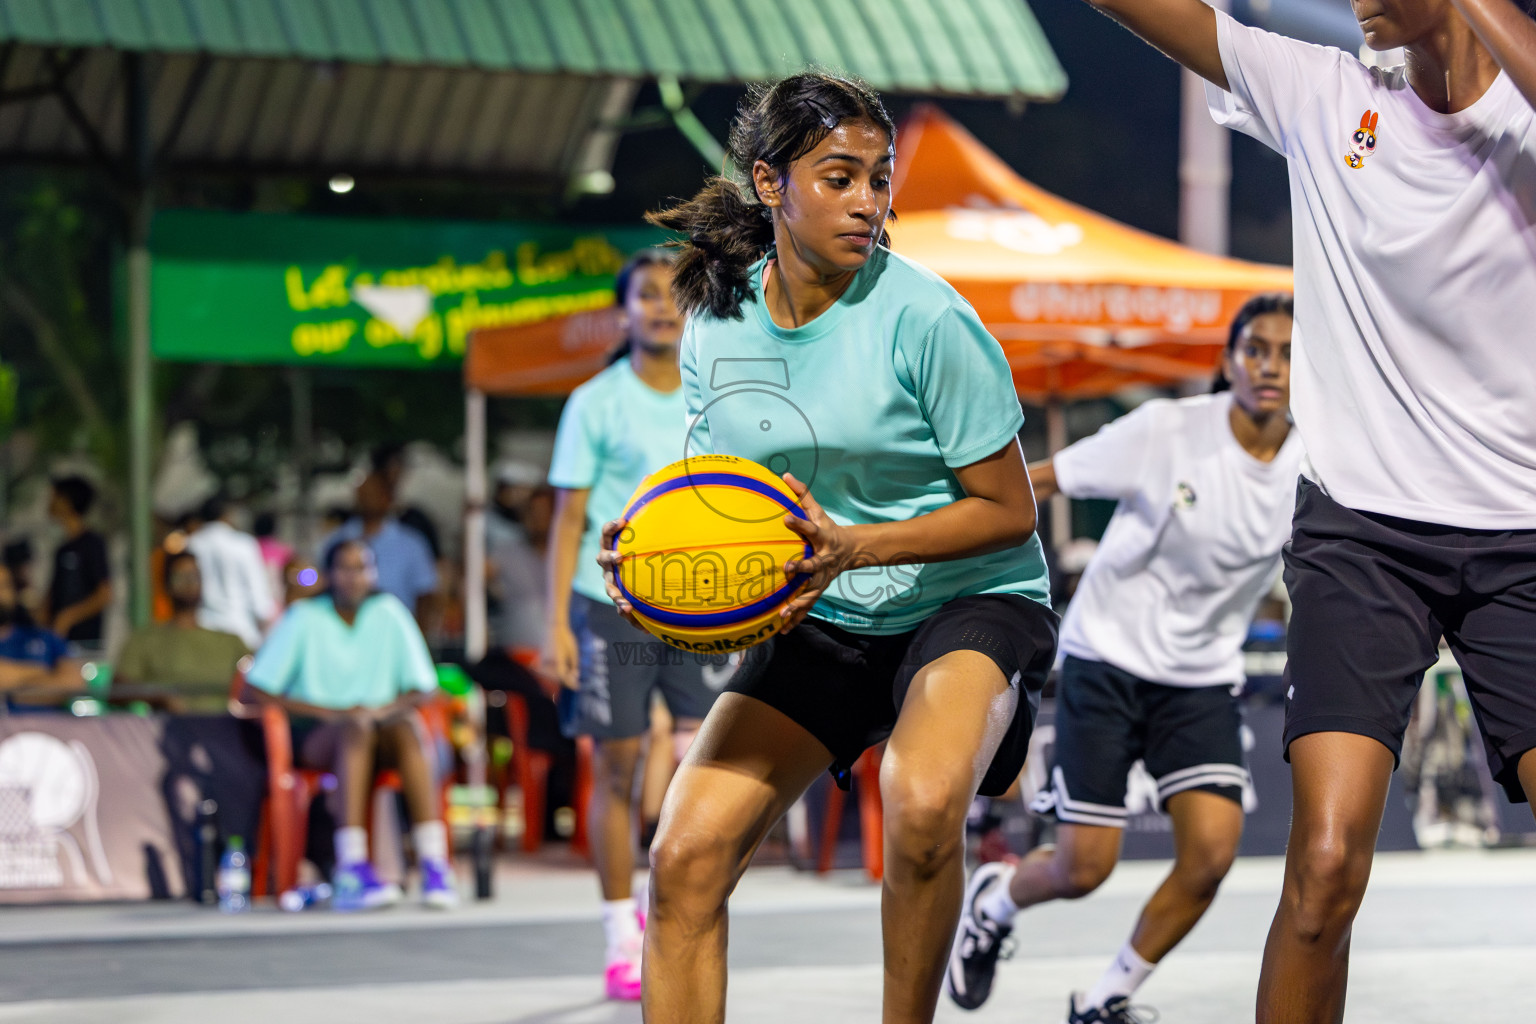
x=343, y=636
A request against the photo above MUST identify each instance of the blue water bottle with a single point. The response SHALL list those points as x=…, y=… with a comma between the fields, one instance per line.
x=234, y=878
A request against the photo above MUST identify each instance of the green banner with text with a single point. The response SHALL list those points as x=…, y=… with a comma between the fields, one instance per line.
x=264, y=288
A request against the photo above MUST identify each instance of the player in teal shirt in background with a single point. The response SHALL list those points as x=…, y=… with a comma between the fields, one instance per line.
x=871, y=384
x=616, y=429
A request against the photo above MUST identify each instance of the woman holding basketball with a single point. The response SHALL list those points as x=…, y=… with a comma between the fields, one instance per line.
x=617, y=427
x=1153, y=642
x=1414, y=196
x=869, y=383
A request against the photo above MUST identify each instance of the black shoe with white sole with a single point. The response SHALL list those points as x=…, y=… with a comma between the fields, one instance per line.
x=979, y=943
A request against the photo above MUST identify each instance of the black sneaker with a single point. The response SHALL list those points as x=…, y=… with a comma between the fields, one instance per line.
x=1117, y=1011
x=979, y=943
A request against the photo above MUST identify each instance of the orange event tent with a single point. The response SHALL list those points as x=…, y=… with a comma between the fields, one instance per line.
x=1082, y=304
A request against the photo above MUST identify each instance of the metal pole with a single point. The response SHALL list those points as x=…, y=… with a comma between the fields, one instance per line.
x=1205, y=167
x=301, y=395
x=1061, y=505
x=140, y=362
x=475, y=631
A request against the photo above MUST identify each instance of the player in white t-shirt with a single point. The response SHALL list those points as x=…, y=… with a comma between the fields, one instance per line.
x=1413, y=193
x=1153, y=643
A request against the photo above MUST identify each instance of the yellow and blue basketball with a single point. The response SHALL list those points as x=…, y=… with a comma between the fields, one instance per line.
x=703, y=553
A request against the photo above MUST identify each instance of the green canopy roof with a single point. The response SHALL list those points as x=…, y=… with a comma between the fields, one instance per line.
x=525, y=93
x=966, y=47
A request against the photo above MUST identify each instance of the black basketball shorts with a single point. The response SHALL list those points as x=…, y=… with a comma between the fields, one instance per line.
x=846, y=688
x=1373, y=595
x=1188, y=737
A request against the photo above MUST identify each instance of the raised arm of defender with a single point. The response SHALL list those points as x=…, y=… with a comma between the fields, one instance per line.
x=1509, y=35
x=1183, y=29
x=1186, y=31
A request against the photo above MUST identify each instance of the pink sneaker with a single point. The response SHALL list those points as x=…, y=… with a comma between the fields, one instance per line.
x=622, y=979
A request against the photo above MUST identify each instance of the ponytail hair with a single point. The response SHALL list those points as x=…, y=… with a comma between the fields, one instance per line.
x=652, y=257
x=726, y=227
x=1259, y=305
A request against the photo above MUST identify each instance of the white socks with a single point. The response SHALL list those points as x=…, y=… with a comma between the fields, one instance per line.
x=429, y=837
x=997, y=903
x=620, y=926
x=1123, y=978
x=431, y=840
x=351, y=846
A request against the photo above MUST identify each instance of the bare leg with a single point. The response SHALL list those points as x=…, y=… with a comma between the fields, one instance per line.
x=1339, y=785
x=1206, y=831
x=356, y=744
x=611, y=815
x=1083, y=857
x=401, y=743
x=950, y=725
x=749, y=763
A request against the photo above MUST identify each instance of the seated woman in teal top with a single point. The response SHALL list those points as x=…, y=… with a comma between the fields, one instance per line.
x=350, y=667
x=871, y=385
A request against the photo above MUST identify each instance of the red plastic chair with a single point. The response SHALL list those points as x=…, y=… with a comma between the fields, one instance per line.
x=866, y=771
x=284, y=829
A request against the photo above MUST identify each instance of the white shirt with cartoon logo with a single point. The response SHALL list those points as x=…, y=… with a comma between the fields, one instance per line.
x=1412, y=379
x=1193, y=546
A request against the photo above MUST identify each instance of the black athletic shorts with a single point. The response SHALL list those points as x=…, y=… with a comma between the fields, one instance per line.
x=847, y=688
x=1372, y=597
x=1188, y=737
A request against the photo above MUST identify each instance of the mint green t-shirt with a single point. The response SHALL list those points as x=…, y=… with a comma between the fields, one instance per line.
x=873, y=405
x=314, y=657
x=614, y=432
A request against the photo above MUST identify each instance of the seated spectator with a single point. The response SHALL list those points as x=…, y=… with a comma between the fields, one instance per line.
x=351, y=667
x=81, y=587
x=31, y=658
x=406, y=568
x=237, y=597
x=192, y=665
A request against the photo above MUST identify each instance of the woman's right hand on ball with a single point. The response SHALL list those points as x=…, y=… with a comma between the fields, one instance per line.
x=610, y=560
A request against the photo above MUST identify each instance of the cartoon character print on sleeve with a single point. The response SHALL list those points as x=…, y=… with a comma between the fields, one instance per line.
x=1362, y=141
